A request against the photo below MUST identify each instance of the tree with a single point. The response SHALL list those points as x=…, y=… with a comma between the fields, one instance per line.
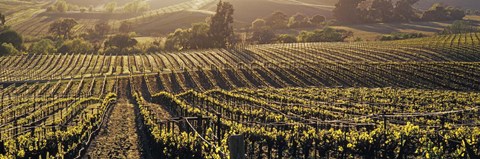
x=404, y=10
x=121, y=41
x=2, y=20
x=285, y=38
x=199, y=36
x=440, y=12
x=11, y=37
x=126, y=27
x=8, y=49
x=61, y=6
x=460, y=26
x=455, y=13
x=277, y=20
x=317, y=19
x=136, y=6
x=436, y=12
x=347, y=11
x=263, y=36
x=381, y=11
x=195, y=37
x=63, y=27
x=298, y=20
x=76, y=45
x=258, y=24
x=102, y=29
x=178, y=40
x=44, y=46
x=221, y=25
x=110, y=7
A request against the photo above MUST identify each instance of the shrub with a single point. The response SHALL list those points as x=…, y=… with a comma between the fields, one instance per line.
x=76, y=45
x=43, y=46
x=325, y=35
x=459, y=27
x=299, y=21
x=8, y=49
x=258, y=24
x=285, y=38
x=317, y=19
x=401, y=36
x=277, y=20
x=263, y=36
x=12, y=37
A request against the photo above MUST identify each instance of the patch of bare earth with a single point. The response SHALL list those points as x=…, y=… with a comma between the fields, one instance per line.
x=118, y=138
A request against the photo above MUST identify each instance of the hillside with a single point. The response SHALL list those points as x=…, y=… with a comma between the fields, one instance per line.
x=300, y=95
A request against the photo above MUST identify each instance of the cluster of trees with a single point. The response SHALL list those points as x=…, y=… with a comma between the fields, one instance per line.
x=65, y=41
x=472, y=12
x=401, y=36
x=262, y=29
x=364, y=11
x=459, y=27
x=440, y=12
x=326, y=34
x=279, y=20
x=10, y=42
x=217, y=32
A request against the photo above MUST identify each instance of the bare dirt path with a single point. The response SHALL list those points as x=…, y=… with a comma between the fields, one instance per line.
x=118, y=138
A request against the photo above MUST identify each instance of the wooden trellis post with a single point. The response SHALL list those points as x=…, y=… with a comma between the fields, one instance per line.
x=236, y=145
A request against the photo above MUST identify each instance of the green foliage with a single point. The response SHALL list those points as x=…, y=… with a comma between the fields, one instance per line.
x=277, y=20
x=404, y=10
x=76, y=45
x=325, y=35
x=8, y=49
x=62, y=28
x=380, y=11
x=196, y=37
x=178, y=40
x=317, y=19
x=44, y=46
x=2, y=19
x=263, y=36
x=102, y=29
x=110, y=7
x=258, y=24
x=401, y=36
x=12, y=37
x=286, y=38
x=460, y=26
x=299, y=21
x=137, y=6
x=199, y=37
x=347, y=11
x=221, y=26
x=59, y=6
x=121, y=41
x=439, y=12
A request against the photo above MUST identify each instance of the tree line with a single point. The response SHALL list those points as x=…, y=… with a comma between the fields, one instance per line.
x=363, y=11
x=218, y=32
